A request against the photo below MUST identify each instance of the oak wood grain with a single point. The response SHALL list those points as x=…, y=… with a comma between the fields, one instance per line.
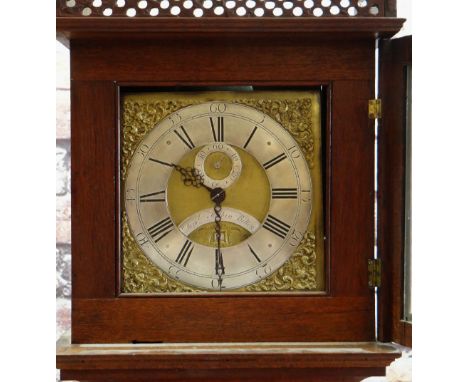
x=351, y=188
x=287, y=374
x=392, y=144
x=207, y=61
x=323, y=29
x=222, y=361
x=225, y=319
x=100, y=68
x=93, y=198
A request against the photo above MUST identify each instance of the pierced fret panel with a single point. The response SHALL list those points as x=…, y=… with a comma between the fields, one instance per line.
x=220, y=8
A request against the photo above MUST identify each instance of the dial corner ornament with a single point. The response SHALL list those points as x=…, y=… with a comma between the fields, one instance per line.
x=218, y=196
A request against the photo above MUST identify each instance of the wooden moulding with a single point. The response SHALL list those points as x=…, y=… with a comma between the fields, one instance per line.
x=69, y=28
x=235, y=361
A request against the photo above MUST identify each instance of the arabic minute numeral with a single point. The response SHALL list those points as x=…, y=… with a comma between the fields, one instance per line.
x=143, y=150
x=295, y=239
x=174, y=272
x=263, y=271
x=217, y=284
x=306, y=196
x=130, y=194
x=218, y=107
x=141, y=238
x=294, y=152
x=175, y=118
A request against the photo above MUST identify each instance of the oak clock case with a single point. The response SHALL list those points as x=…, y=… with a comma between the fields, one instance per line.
x=297, y=322
x=221, y=192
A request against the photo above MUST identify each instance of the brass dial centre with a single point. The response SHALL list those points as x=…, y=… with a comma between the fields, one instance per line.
x=218, y=165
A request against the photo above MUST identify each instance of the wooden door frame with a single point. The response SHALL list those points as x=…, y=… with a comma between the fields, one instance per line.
x=395, y=56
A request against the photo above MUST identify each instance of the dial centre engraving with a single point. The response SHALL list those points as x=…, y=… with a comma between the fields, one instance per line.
x=244, y=204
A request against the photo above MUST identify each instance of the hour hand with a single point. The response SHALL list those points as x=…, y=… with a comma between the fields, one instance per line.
x=191, y=176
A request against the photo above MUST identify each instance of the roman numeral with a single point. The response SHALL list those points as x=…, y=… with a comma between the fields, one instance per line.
x=161, y=162
x=218, y=132
x=153, y=197
x=185, y=138
x=161, y=229
x=185, y=252
x=284, y=193
x=274, y=161
x=253, y=253
x=276, y=226
x=250, y=137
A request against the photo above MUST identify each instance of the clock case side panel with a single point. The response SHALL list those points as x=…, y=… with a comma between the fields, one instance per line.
x=395, y=57
x=94, y=201
x=99, y=314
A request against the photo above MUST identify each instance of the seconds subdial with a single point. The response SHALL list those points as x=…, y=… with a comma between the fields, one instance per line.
x=219, y=164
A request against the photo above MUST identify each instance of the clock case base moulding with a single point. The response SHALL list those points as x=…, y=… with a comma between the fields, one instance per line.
x=311, y=362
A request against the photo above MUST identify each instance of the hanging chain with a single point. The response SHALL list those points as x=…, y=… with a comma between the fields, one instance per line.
x=193, y=177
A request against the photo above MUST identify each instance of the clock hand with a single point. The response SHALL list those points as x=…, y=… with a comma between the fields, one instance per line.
x=219, y=266
x=191, y=176
x=218, y=195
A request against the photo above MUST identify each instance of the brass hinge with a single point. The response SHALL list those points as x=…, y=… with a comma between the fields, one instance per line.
x=375, y=108
x=374, y=267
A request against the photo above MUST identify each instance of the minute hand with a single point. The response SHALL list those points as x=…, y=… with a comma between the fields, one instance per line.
x=217, y=196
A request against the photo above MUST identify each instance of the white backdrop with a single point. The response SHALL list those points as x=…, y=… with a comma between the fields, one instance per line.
x=404, y=11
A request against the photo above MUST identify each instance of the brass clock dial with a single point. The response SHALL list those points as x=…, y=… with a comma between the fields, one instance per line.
x=173, y=196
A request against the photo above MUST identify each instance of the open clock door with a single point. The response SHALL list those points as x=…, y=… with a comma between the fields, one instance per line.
x=395, y=191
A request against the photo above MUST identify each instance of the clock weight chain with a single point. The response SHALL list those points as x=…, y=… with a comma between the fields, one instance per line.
x=192, y=177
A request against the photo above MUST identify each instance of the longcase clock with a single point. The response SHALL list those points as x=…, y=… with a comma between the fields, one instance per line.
x=223, y=189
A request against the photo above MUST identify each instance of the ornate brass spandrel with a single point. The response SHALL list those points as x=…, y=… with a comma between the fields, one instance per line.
x=292, y=114
x=299, y=113
x=299, y=273
x=139, y=274
x=138, y=118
